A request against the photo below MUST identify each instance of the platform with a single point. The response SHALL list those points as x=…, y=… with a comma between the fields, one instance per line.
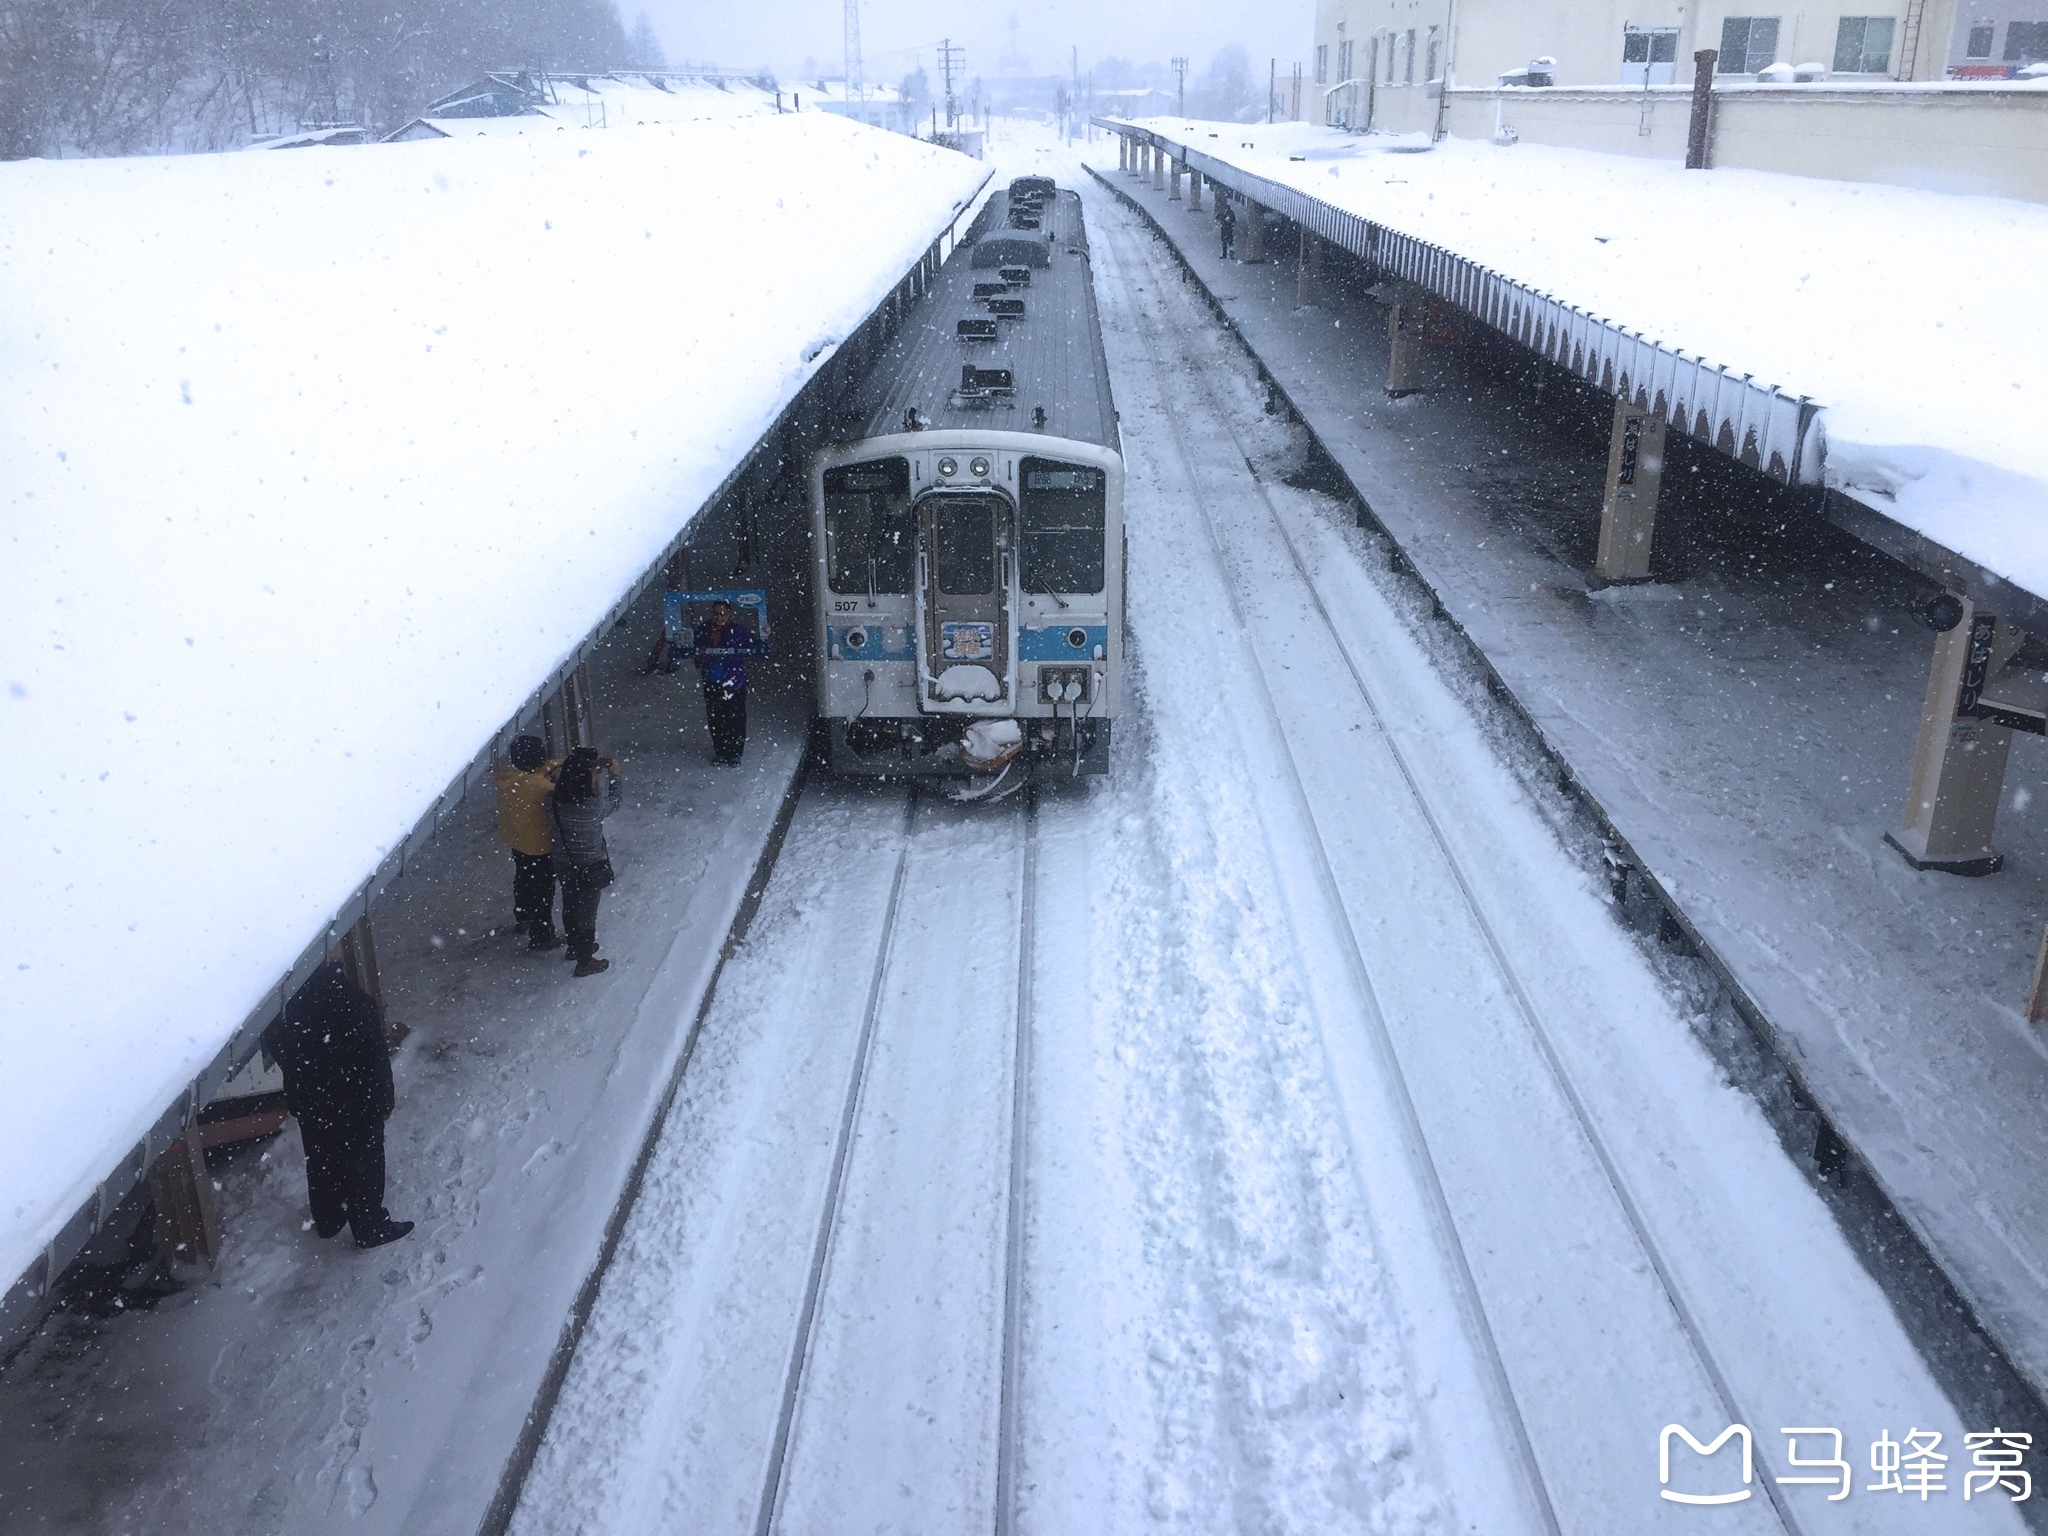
x=1746, y=728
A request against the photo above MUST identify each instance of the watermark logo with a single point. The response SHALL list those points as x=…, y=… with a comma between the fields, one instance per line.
x=1733, y=1431
x=1915, y=1465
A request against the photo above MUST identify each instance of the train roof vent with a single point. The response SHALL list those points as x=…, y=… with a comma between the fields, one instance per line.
x=976, y=330
x=1007, y=309
x=1015, y=277
x=990, y=290
x=982, y=388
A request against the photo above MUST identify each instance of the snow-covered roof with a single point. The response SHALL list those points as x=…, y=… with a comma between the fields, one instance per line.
x=525, y=106
x=306, y=488
x=1895, y=309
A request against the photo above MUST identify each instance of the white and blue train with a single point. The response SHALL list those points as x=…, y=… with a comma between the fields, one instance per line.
x=967, y=524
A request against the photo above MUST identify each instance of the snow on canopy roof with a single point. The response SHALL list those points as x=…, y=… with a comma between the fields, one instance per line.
x=1899, y=311
x=307, y=487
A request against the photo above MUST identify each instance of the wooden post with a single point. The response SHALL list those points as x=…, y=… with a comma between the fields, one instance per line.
x=187, y=1220
x=1699, y=134
x=359, y=964
x=1407, y=315
x=1959, y=761
x=1308, y=273
x=1254, y=232
x=2037, y=994
x=1628, y=515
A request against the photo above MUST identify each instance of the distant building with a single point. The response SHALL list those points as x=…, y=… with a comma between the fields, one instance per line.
x=881, y=105
x=1397, y=52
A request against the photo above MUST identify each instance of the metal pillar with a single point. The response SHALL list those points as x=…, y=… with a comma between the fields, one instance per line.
x=1628, y=515
x=1959, y=762
x=1308, y=270
x=1174, y=168
x=1123, y=153
x=1159, y=158
x=1254, y=231
x=1194, y=191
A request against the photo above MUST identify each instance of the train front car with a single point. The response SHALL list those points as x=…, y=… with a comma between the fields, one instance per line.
x=967, y=528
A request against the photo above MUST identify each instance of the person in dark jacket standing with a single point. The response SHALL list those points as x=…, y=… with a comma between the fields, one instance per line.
x=725, y=681
x=329, y=1045
x=583, y=862
x=1226, y=223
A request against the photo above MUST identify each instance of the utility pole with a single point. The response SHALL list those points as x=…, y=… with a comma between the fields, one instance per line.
x=854, y=92
x=950, y=59
x=1073, y=91
x=1272, y=83
x=1180, y=84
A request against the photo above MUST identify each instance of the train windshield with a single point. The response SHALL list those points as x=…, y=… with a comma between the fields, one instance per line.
x=1065, y=518
x=870, y=532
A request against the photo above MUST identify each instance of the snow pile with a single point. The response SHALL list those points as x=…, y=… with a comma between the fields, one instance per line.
x=613, y=101
x=1933, y=386
x=313, y=466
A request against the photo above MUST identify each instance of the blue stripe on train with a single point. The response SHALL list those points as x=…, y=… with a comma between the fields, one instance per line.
x=1056, y=642
x=882, y=642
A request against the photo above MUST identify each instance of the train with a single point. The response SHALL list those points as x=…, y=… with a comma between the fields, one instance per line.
x=967, y=521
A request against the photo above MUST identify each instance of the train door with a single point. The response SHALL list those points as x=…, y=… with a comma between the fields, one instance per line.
x=963, y=569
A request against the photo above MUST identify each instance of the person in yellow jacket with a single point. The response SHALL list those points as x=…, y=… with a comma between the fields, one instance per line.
x=523, y=790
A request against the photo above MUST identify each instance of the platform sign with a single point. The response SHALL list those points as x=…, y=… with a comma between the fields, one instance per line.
x=682, y=612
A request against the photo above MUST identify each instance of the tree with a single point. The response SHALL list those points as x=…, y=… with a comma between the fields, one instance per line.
x=643, y=48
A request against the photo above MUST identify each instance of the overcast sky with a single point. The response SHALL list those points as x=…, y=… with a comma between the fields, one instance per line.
x=744, y=34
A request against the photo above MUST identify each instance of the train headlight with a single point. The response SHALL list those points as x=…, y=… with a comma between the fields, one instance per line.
x=948, y=468
x=856, y=639
x=978, y=468
x=1077, y=638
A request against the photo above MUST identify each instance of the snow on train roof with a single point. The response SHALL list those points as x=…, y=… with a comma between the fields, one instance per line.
x=1054, y=353
x=313, y=467
x=1892, y=307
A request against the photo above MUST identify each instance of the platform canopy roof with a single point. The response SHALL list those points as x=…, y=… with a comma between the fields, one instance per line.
x=312, y=467
x=1901, y=313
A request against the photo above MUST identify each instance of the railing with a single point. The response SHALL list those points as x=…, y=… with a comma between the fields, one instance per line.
x=1765, y=427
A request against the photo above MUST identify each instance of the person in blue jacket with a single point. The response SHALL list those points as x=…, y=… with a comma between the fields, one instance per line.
x=725, y=681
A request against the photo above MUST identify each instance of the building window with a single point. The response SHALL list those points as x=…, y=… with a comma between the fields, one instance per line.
x=1344, y=61
x=1649, y=55
x=1408, y=77
x=1863, y=45
x=1979, y=46
x=1430, y=72
x=1748, y=44
x=2026, y=42
x=1322, y=63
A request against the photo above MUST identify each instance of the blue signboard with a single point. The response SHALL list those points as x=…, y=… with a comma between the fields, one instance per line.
x=682, y=612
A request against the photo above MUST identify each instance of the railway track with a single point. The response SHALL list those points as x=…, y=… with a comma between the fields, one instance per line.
x=1130, y=253
x=856, y=1114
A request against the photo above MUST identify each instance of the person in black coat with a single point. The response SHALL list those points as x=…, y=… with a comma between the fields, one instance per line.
x=1226, y=223
x=329, y=1045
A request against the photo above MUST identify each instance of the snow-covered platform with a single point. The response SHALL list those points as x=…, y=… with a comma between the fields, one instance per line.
x=304, y=1385
x=1746, y=727
x=1810, y=327
x=316, y=467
